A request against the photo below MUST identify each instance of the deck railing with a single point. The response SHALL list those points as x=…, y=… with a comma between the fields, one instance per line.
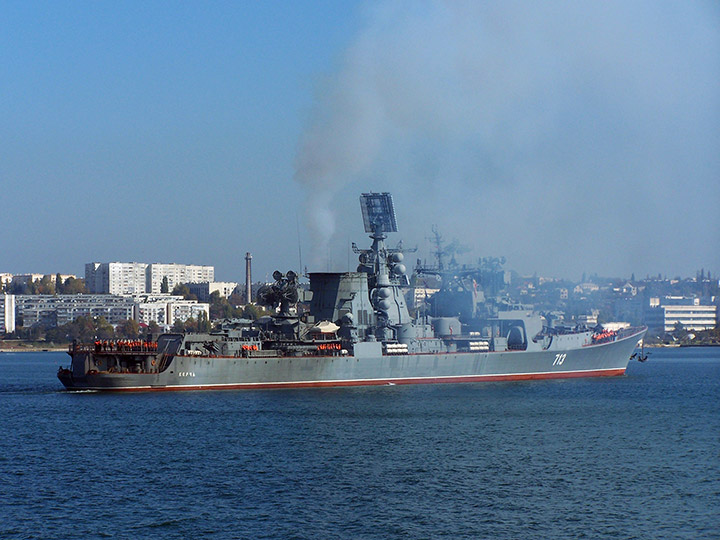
x=115, y=347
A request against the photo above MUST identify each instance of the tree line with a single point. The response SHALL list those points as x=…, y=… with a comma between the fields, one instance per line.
x=47, y=286
x=86, y=328
x=232, y=307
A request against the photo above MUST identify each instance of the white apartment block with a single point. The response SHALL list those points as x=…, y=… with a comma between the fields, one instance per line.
x=186, y=309
x=140, y=278
x=176, y=274
x=36, y=309
x=155, y=308
x=666, y=312
x=114, y=309
x=204, y=290
x=48, y=310
x=147, y=312
x=7, y=313
x=115, y=278
x=126, y=278
x=694, y=317
x=170, y=310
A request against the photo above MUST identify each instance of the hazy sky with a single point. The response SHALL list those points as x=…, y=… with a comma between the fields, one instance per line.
x=567, y=136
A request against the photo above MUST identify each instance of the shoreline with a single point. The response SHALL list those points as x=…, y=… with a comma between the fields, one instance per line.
x=32, y=349
x=687, y=346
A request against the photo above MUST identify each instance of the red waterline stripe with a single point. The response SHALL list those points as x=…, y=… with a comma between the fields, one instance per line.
x=376, y=382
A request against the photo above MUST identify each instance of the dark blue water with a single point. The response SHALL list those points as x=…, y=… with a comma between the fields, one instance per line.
x=626, y=457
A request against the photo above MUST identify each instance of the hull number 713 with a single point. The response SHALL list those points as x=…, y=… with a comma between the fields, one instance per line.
x=559, y=359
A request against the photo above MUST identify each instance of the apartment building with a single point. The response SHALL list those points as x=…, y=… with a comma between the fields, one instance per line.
x=7, y=313
x=186, y=309
x=140, y=278
x=115, y=278
x=176, y=274
x=205, y=289
x=48, y=310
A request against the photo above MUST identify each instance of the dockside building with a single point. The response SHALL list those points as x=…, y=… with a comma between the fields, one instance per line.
x=690, y=313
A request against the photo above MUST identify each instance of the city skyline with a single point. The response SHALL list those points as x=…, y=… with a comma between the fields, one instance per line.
x=584, y=140
x=701, y=274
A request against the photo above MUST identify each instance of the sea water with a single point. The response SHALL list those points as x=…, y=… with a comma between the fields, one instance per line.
x=636, y=456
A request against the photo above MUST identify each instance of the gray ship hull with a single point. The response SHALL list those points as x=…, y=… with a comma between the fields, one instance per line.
x=369, y=366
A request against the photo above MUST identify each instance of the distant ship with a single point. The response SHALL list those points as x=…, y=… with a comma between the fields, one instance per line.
x=358, y=331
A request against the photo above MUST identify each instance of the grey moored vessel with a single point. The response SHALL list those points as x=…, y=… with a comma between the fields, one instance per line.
x=358, y=331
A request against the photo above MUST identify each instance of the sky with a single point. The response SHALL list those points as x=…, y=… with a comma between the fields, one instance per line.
x=567, y=136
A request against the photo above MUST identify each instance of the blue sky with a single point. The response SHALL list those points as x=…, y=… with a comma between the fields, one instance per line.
x=568, y=137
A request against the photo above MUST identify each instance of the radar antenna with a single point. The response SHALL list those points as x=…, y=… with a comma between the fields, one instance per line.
x=378, y=213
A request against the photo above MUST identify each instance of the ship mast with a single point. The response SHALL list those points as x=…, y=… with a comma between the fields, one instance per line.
x=386, y=273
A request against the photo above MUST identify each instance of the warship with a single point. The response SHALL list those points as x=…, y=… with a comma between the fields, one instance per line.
x=358, y=331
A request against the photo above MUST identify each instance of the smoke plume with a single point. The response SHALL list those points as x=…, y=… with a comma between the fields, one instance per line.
x=529, y=127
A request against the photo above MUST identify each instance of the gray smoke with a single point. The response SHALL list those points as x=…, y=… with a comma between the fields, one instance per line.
x=568, y=136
